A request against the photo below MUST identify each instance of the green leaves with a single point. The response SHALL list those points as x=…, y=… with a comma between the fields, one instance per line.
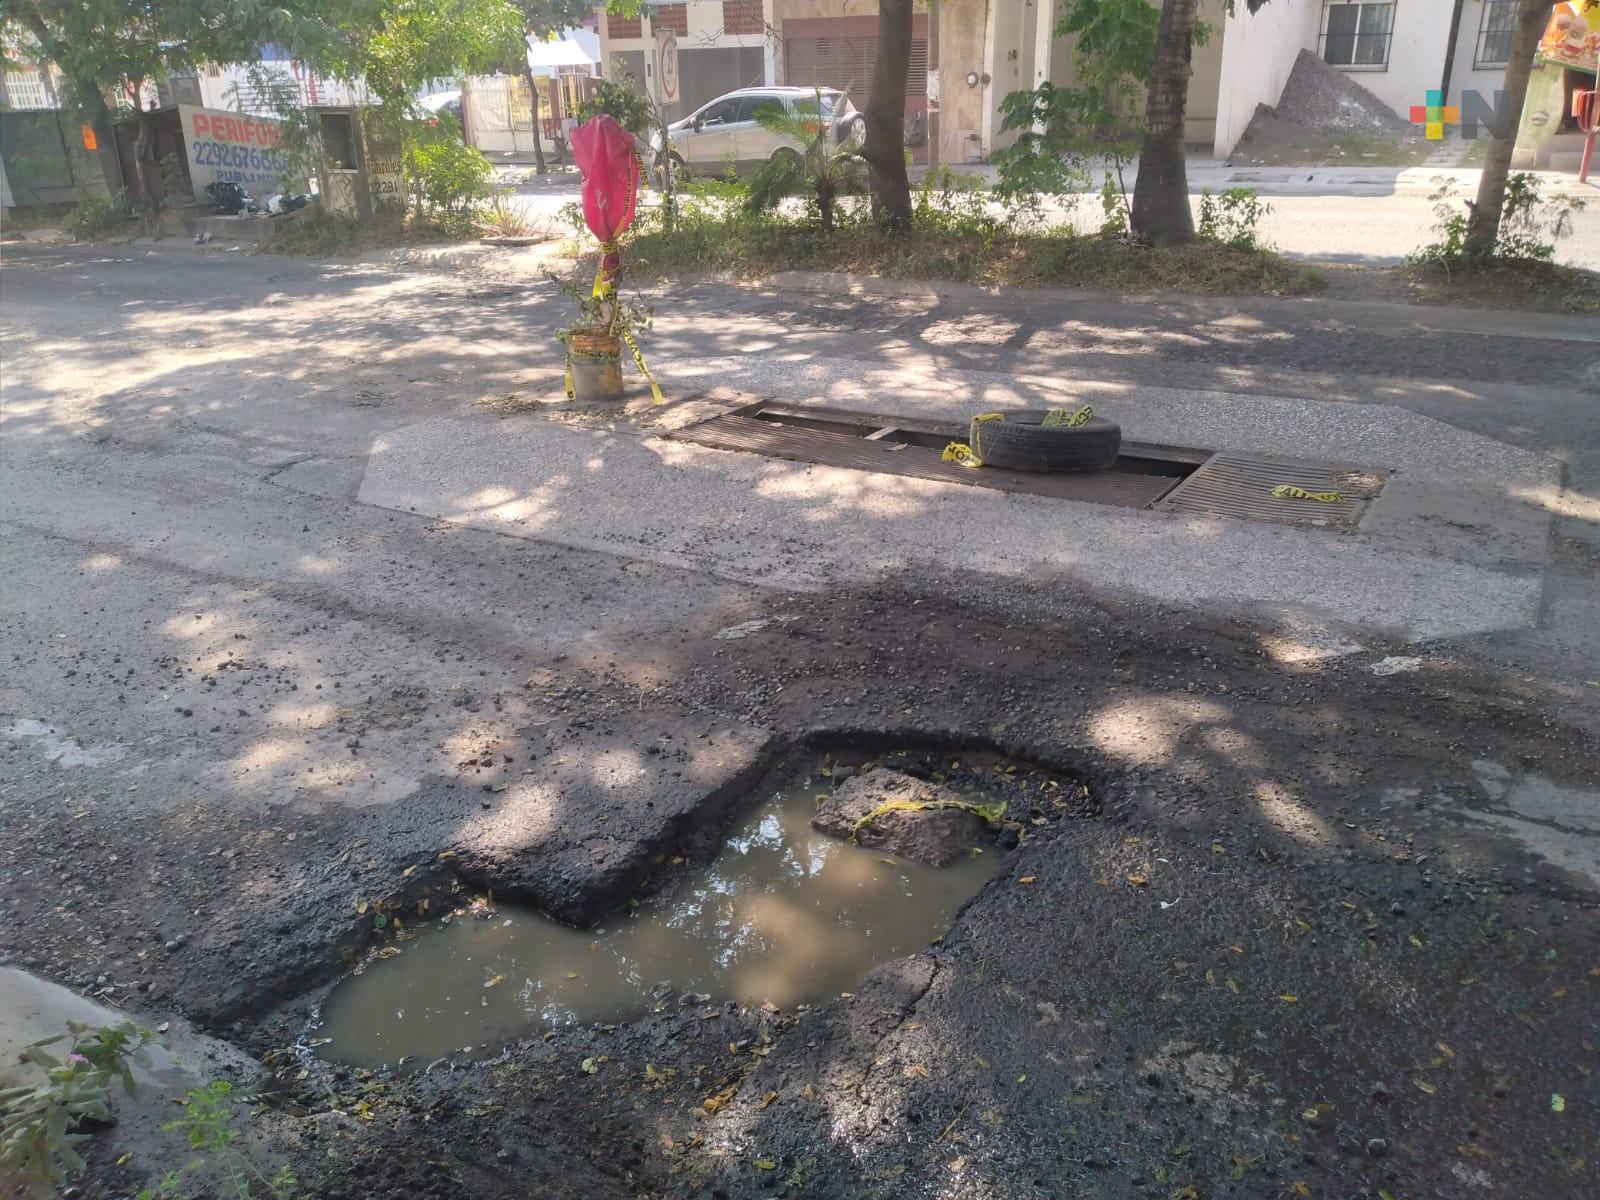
x=37, y=1142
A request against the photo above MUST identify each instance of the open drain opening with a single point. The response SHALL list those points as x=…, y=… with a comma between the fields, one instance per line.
x=785, y=914
x=1180, y=479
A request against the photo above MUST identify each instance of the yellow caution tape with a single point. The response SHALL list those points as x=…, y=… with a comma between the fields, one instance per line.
x=1287, y=491
x=961, y=454
x=638, y=357
x=1068, y=420
x=604, y=281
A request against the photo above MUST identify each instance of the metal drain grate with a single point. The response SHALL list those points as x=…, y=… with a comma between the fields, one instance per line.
x=1240, y=485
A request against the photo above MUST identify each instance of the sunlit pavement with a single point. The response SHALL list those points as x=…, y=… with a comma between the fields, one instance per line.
x=313, y=580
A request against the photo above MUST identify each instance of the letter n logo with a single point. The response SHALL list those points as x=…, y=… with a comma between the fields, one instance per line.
x=1475, y=110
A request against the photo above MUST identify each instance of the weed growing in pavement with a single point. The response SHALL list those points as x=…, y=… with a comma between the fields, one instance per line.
x=40, y=1125
x=504, y=219
x=208, y=1122
x=1231, y=218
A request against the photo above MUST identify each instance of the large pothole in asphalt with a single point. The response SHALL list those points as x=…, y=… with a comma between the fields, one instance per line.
x=784, y=915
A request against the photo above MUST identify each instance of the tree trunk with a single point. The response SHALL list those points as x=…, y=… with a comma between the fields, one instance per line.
x=144, y=154
x=539, y=167
x=1483, y=226
x=885, y=145
x=1161, y=213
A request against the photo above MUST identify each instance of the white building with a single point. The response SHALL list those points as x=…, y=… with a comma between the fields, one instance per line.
x=986, y=49
x=1398, y=50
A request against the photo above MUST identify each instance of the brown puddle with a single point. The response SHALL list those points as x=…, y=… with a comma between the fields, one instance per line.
x=783, y=914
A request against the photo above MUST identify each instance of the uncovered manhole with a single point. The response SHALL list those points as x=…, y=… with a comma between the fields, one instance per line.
x=1146, y=475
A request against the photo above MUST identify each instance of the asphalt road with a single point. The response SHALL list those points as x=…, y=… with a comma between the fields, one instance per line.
x=311, y=601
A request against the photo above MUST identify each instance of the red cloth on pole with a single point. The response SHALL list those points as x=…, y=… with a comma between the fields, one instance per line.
x=604, y=152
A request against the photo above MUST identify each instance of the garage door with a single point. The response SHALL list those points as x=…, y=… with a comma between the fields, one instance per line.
x=839, y=52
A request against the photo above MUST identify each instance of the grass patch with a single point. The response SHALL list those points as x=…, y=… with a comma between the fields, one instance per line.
x=752, y=247
x=35, y=216
x=1509, y=284
x=312, y=233
x=1359, y=149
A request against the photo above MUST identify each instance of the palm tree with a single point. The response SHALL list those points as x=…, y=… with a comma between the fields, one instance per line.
x=1483, y=226
x=1161, y=193
x=820, y=162
x=885, y=148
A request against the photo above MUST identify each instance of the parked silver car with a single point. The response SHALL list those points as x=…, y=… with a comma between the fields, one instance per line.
x=726, y=131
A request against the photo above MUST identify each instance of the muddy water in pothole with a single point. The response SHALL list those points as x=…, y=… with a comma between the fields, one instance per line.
x=784, y=914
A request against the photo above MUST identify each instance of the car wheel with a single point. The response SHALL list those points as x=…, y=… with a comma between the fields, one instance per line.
x=786, y=159
x=680, y=170
x=1022, y=442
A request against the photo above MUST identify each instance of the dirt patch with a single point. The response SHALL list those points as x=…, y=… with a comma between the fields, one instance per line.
x=1273, y=140
x=1513, y=287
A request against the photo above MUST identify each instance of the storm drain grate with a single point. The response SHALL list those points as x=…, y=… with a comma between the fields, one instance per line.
x=1240, y=485
x=1166, y=478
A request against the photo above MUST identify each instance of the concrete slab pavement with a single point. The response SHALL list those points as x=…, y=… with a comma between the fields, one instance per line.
x=796, y=525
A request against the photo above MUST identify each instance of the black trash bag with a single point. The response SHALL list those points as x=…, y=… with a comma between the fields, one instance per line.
x=230, y=199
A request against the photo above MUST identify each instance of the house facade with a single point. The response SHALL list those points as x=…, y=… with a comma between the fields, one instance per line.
x=968, y=55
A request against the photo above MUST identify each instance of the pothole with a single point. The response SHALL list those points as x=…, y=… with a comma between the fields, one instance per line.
x=784, y=915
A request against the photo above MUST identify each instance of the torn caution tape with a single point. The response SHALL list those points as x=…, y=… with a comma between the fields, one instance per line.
x=971, y=455
x=1288, y=491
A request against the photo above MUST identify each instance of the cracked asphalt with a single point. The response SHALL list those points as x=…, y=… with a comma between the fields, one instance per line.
x=1327, y=931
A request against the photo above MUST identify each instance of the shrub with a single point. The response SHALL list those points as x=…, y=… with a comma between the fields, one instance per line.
x=953, y=205
x=1232, y=217
x=98, y=216
x=452, y=178
x=1530, y=225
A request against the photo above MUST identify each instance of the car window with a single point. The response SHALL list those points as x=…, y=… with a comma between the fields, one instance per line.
x=748, y=106
x=723, y=112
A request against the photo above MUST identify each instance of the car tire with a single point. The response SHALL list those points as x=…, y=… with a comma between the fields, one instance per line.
x=680, y=170
x=786, y=157
x=1022, y=442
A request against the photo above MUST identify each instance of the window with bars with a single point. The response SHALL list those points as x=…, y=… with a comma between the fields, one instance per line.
x=25, y=89
x=1357, y=35
x=1498, y=23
